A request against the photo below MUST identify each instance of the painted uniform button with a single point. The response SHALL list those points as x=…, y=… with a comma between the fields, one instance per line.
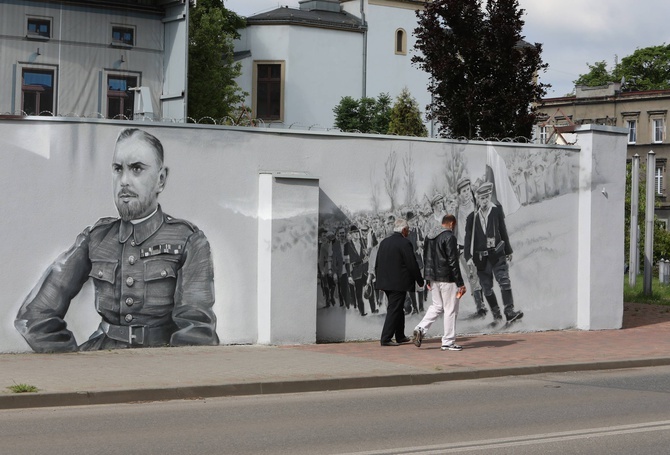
x=100, y=274
x=130, y=301
x=130, y=281
x=131, y=260
x=132, y=242
x=129, y=318
x=164, y=273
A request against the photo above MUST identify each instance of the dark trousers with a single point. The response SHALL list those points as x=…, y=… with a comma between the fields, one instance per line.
x=394, y=324
x=359, y=284
x=343, y=290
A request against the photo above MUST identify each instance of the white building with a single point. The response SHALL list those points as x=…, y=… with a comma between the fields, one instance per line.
x=297, y=64
x=94, y=58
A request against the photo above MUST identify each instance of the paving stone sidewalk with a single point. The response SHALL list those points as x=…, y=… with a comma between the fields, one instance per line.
x=175, y=373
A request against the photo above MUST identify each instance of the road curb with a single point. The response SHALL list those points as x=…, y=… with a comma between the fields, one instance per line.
x=85, y=398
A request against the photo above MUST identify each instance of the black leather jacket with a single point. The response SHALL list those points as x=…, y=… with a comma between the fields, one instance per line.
x=440, y=257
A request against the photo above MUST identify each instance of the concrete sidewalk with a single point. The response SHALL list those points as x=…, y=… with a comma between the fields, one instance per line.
x=196, y=372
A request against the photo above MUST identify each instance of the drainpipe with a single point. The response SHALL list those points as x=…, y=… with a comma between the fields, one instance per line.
x=365, y=50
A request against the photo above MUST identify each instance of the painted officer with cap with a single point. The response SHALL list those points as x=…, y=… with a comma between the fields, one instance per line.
x=487, y=246
x=153, y=274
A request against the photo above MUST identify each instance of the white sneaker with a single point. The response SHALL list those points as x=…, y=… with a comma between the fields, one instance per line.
x=418, y=336
x=452, y=347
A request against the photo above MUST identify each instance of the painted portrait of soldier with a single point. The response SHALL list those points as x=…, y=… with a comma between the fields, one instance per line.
x=152, y=272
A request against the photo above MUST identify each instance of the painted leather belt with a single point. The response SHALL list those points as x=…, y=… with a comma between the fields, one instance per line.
x=137, y=334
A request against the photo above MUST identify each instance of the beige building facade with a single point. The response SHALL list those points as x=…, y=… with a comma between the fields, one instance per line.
x=644, y=114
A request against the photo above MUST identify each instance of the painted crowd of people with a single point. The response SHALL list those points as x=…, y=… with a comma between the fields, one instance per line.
x=348, y=253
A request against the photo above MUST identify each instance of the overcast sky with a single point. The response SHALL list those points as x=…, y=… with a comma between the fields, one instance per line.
x=572, y=32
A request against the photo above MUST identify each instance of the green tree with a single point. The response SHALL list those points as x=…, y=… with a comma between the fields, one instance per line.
x=212, y=90
x=661, y=235
x=597, y=75
x=483, y=76
x=406, y=116
x=367, y=115
x=645, y=69
x=346, y=114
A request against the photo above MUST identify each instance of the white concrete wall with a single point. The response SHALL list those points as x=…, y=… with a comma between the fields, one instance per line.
x=325, y=65
x=321, y=66
x=389, y=72
x=601, y=251
x=58, y=175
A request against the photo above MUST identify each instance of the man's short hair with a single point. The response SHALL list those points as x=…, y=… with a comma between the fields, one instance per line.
x=400, y=224
x=150, y=139
x=448, y=219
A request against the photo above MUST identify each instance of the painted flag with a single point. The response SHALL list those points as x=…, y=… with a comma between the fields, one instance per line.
x=496, y=173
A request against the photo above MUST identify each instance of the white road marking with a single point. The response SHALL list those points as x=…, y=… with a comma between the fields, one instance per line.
x=542, y=438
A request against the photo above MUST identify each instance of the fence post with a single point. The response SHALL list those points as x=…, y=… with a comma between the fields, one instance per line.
x=634, y=246
x=649, y=217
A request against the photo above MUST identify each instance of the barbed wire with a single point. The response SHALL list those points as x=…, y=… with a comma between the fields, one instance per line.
x=248, y=122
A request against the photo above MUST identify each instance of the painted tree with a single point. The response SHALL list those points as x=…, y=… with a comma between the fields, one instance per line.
x=374, y=191
x=212, y=90
x=483, y=75
x=406, y=116
x=390, y=179
x=410, y=181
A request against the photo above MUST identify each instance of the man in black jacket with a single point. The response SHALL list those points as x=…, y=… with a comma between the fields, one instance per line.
x=396, y=271
x=487, y=246
x=443, y=278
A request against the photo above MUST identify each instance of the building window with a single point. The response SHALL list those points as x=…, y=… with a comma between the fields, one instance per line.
x=543, y=134
x=658, y=178
x=269, y=93
x=37, y=92
x=121, y=96
x=400, y=42
x=123, y=36
x=658, y=130
x=39, y=28
x=632, y=131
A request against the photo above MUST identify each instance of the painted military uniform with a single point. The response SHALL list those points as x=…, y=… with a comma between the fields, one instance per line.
x=154, y=286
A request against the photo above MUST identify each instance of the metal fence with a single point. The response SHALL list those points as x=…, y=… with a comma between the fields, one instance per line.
x=252, y=123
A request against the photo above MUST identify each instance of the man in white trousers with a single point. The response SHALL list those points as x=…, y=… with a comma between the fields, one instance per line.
x=443, y=277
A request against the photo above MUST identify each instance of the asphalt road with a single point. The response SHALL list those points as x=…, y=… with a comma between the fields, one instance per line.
x=604, y=412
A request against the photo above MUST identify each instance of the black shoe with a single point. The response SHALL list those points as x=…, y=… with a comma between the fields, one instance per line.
x=514, y=316
x=497, y=319
x=482, y=312
x=364, y=314
x=404, y=340
x=389, y=343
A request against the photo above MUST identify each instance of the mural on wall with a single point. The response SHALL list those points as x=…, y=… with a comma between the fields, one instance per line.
x=152, y=273
x=465, y=180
